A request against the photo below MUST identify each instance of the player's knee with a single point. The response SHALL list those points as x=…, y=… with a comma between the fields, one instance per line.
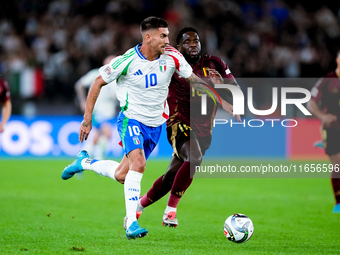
x=120, y=179
x=168, y=180
x=196, y=159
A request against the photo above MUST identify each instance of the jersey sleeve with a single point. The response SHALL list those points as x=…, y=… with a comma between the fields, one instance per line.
x=116, y=67
x=226, y=73
x=185, y=69
x=5, y=95
x=182, y=66
x=316, y=92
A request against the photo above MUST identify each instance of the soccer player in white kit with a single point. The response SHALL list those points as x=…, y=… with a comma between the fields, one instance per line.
x=104, y=110
x=143, y=75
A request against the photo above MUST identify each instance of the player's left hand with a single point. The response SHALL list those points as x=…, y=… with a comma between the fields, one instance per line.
x=84, y=131
x=215, y=77
x=229, y=108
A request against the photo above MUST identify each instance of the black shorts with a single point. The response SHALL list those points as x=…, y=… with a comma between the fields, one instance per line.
x=331, y=140
x=179, y=133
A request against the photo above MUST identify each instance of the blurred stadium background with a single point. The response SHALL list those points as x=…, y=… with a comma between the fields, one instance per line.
x=46, y=46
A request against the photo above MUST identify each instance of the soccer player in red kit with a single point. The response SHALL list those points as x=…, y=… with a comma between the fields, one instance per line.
x=188, y=131
x=5, y=100
x=325, y=105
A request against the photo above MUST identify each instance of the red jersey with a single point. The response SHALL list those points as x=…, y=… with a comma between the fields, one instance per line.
x=326, y=92
x=4, y=91
x=185, y=102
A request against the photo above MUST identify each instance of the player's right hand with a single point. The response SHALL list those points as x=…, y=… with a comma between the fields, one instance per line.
x=328, y=119
x=229, y=108
x=84, y=131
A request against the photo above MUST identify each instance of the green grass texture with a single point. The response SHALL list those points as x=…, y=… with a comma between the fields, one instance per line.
x=42, y=214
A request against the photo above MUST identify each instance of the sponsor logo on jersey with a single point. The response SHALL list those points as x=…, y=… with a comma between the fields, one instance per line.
x=162, y=65
x=139, y=72
x=335, y=91
x=136, y=140
x=108, y=71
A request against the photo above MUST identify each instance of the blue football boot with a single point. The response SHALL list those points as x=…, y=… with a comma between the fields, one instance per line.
x=135, y=231
x=75, y=167
x=336, y=208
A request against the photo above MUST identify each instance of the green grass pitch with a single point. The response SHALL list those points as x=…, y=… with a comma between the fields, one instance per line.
x=42, y=214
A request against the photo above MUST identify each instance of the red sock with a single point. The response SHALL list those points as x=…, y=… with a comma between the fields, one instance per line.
x=335, y=178
x=157, y=191
x=181, y=183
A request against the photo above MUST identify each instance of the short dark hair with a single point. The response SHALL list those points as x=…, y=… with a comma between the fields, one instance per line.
x=183, y=31
x=152, y=23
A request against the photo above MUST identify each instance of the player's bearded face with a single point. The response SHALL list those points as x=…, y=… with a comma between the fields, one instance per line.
x=159, y=39
x=191, y=45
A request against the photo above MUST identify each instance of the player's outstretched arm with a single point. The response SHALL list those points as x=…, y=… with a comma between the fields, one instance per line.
x=6, y=113
x=86, y=124
x=229, y=108
x=326, y=118
x=203, y=87
x=217, y=78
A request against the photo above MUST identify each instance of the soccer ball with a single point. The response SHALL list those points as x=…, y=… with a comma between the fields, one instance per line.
x=238, y=228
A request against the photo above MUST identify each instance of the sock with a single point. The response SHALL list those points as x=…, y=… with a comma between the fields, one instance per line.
x=139, y=206
x=336, y=186
x=157, y=191
x=181, y=183
x=103, y=167
x=132, y=191
x=170, y=209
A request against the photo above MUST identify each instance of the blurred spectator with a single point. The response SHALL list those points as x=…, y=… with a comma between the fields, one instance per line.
x=5, y=100
x=104, y=111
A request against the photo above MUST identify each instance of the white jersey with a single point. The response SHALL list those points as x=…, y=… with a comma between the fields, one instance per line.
x=105, y=107
x=142, y=85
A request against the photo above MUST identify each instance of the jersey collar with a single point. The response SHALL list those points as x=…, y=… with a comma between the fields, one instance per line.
x=140, y=53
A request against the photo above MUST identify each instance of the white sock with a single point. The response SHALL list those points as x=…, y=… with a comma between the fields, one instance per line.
x=103, y=167
x=170, y=209
x=140, y=207
x=132, y=191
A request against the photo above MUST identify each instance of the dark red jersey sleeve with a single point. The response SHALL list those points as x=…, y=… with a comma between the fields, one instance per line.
x=320, y=86
x=4, y=91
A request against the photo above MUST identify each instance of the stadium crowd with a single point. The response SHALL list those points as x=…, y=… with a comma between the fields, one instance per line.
x=257, y=38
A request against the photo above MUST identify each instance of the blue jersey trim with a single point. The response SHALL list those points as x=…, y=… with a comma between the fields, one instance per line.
x=138, y=51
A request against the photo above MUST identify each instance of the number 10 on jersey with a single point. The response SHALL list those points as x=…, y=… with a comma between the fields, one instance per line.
x=150, y=80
